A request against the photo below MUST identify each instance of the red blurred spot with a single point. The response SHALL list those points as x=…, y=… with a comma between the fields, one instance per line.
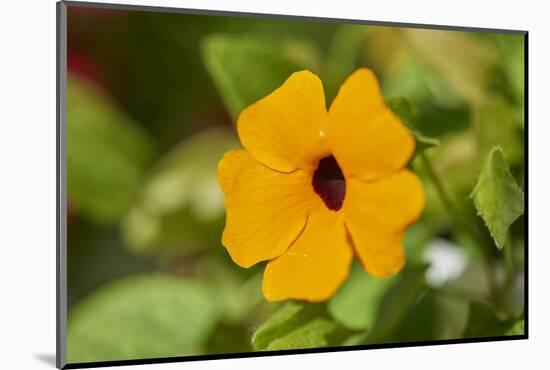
x=82, y=66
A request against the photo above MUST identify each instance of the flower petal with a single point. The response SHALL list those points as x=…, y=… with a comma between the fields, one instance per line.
x=394, y=201
x=367, y=139
x=379, y=250
x=316, y=264
x=376, y=215
x=283, y=130
x=266, y=210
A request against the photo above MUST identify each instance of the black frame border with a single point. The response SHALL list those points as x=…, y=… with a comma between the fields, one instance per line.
x=61, y=187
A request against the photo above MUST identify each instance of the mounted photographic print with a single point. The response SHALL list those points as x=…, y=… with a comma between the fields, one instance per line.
x=235, y=185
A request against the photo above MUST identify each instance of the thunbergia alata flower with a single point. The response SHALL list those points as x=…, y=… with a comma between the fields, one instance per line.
x=314, y=187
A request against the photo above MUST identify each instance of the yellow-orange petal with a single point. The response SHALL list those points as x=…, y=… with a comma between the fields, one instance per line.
x=283, y=130
x=379, y=250
x=266, y=210
x=377, y=214
x=316, y=264
x=368, y=140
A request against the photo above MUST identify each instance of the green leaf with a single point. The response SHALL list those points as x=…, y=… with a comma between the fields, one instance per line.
x=517, y=329
x=437, y=120
x=342, y=57
x=438, y=111
x=356, y=302
x=298, y=325
x=483, y=322
x=181, y=202
x=107, y=154
x=406, y=111
x=143, y=316
x=397, y=302
x=245, y=68
x=497, y=197
x=239, y=290
x=434, y=316
x=424, y=142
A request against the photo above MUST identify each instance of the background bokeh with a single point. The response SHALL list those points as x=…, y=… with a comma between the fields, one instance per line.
x=152, y=99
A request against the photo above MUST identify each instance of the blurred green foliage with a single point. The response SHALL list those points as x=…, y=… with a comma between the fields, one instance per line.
x=396, y=303
x=299, y=325
x=356, y=303
x=407, y=113
x=152, y=99
x=145, y=316
x=180, y=200
x=434, y=315
x=342, y=57
x=106, y=154
x=246, y=69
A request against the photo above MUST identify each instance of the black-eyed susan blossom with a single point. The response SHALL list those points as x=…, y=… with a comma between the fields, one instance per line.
x=314, y=187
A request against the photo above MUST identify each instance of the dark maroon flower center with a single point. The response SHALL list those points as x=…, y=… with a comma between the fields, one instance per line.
x=329, y=183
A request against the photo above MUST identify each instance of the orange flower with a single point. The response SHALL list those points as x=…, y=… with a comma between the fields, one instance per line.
x=314, y=187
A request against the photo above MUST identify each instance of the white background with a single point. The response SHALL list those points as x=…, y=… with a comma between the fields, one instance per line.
x=27, y=183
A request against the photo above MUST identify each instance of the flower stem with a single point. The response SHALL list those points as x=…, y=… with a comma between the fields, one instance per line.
x=508, y=258
x=508, y=266
x=460, y=220
x=454, y=211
